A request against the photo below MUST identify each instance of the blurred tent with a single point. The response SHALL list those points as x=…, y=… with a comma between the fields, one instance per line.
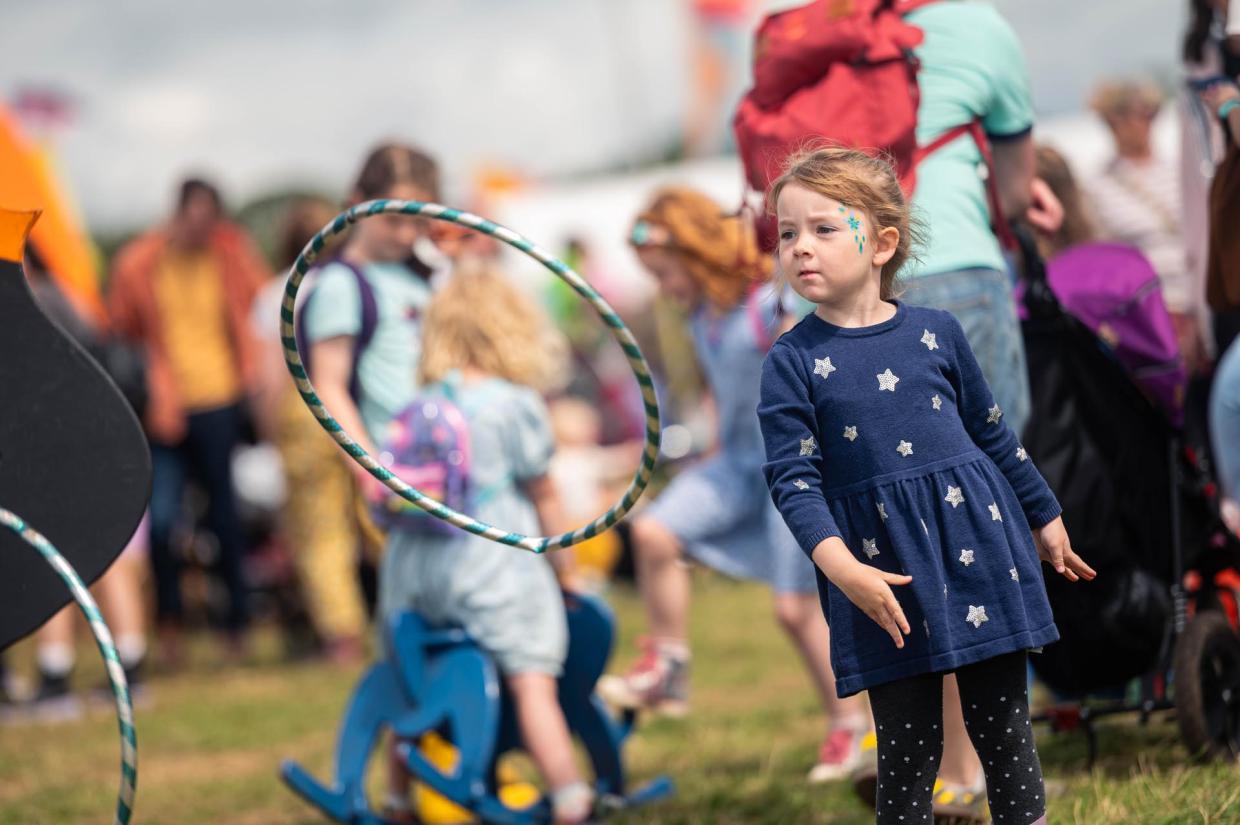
x=28, y=181
x=598, y=210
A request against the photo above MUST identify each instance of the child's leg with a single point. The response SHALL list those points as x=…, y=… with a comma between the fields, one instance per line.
x=800, y=615
x=908, y=715
x=994, y=697
x=960, y=765
x=660, y=678
x=545, y=734
x=662, y=579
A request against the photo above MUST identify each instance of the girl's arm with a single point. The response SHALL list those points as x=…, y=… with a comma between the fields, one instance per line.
x=542, y=493
x=793, y=466
x=530, y=444
x=983, y=419
x=332, y=366
x=1219, y=94
x=793, y=473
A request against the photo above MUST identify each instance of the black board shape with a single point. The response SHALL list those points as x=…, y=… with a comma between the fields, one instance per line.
x=74, y=463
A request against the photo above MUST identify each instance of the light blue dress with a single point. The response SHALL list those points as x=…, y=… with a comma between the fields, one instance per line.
x=720, y=509
x=507, y=599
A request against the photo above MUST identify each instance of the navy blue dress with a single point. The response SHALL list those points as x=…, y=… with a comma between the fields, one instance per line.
x=887, y=436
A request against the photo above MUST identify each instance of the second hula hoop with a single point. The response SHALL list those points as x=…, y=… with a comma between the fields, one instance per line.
x=637, y=362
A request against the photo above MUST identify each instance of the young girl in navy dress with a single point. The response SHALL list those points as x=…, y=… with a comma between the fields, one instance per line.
x=893, y=467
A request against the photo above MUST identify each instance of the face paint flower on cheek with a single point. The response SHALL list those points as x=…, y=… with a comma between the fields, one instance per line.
x=854, y=223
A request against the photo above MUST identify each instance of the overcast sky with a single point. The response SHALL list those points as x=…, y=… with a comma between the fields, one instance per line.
x=267, y=94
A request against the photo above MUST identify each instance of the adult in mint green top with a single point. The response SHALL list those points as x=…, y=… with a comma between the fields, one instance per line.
x=972, y=66
x=387, y=370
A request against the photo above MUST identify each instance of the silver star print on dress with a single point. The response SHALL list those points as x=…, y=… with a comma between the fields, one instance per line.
x=1015, y=575
x=936, y=402
x=887, y=380
x=977, y=615
x=800, y=485
x=995, y=515
x=927, y=338
x=823, y=367
x=808, y=445
x=1021, y=454
x=882, y=511
x=869, y=547
x=850, y=433
x=994, y=414
x=954, y=497
x=905, y=449
x=966, y=557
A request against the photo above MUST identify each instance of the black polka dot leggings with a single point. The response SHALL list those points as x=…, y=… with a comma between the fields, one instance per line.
x=909, y=717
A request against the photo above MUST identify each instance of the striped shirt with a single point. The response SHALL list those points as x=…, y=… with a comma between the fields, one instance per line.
x=1138, y=203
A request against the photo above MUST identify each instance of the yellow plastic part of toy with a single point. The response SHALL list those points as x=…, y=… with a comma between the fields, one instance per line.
x=435, y=809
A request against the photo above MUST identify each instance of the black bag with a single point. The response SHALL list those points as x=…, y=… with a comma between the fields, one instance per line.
x=1106, y=452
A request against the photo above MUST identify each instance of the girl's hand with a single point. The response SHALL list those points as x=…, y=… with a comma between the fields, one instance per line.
x=371, y=488
x=870, y=590
x=1054, y=547
x=1219, y=93
x=1045, y=212
x=867, y=587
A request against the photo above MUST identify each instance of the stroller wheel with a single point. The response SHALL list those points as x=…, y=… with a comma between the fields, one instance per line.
x=1207, y=687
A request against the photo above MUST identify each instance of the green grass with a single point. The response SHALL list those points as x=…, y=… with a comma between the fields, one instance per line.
x=211, y=741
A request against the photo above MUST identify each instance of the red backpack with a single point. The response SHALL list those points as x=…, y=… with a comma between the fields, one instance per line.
x=843, y=70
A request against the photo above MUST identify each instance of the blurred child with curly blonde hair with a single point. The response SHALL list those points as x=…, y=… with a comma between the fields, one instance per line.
x=488, y=350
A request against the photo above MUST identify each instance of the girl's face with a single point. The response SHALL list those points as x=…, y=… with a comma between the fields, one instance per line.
x=675, y=282
x=391, y=237
x=828, y=251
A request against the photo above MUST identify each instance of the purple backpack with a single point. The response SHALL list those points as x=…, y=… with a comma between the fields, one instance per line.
x=427, y=445
x=1113, y=290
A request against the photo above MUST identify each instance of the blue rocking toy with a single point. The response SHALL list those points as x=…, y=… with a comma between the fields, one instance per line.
x=439, y=680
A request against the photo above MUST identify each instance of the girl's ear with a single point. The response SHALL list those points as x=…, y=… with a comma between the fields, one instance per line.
x=885, y=247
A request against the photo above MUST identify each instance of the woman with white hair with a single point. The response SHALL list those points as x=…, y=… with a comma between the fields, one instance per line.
x=1137, y=201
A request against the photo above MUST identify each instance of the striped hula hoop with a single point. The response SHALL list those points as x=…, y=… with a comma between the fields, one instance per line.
x=637, y=362
x=116, y=673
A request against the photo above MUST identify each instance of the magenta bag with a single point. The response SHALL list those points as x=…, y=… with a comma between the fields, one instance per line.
x=1113, y=290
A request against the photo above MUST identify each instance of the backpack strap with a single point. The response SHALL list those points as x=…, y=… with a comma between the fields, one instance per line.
x=763, y=333
x=366, y=332
x=974, y=128
x=998, y=220
x=370, y=321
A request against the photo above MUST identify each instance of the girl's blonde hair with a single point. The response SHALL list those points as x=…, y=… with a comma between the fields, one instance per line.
x=860, y=181
x=718, y=250
x=480, y=320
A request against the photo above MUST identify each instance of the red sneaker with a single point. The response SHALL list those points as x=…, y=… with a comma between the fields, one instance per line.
x=656, y=681
x=838, y=757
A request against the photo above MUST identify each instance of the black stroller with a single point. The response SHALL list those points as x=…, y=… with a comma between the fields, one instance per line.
x=1143, y=512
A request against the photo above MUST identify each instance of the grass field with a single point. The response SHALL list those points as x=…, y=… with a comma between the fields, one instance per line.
x=211, y=741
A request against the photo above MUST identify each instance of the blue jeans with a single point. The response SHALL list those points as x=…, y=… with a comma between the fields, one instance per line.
x=205, y=453
x=1225, y=420
x=981, y=300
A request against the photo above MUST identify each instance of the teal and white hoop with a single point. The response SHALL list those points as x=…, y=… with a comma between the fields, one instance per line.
x=628, y=344
x=116, y=673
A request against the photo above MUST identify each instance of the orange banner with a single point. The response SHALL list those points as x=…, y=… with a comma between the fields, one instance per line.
x=28, y=183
